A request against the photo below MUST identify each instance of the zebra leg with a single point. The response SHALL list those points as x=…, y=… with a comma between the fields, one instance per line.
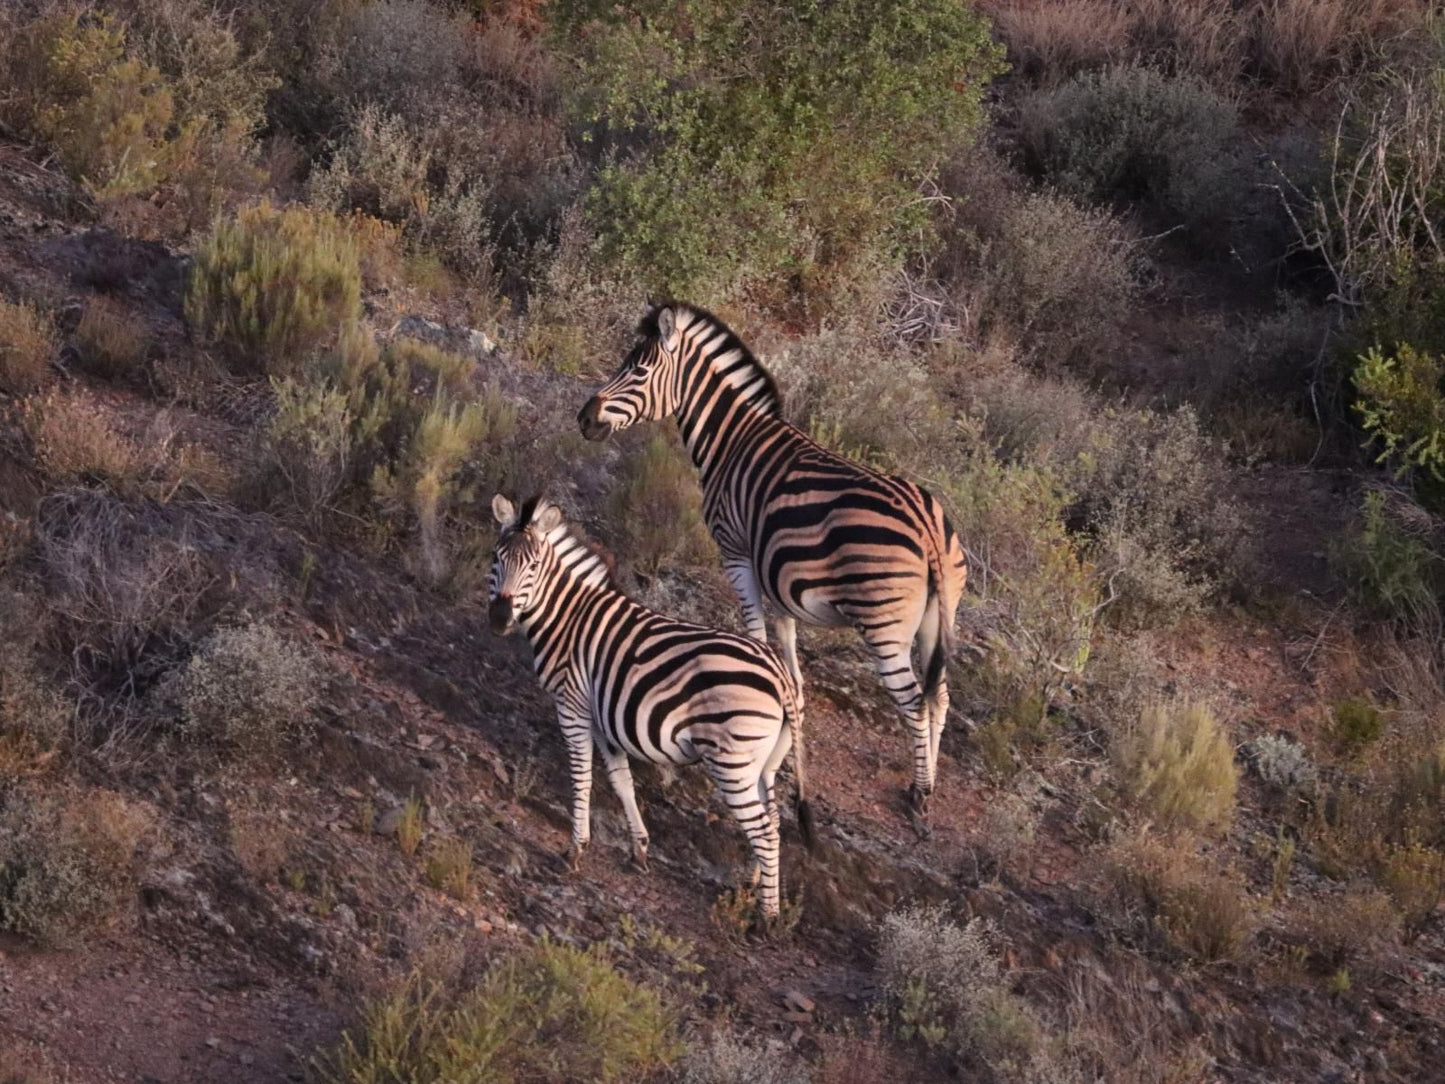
x=744, y=798
x=896, y=669
x=745, y=583
x=578, y=732
x=936, y=670
x=767, y=782
x=787, y=629
x=619, y=774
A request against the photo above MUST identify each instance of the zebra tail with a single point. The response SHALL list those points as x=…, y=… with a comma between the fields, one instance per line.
x=801, y=806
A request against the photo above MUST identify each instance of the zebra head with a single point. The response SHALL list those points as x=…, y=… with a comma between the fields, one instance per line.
x=646, y=385
x=523, y=558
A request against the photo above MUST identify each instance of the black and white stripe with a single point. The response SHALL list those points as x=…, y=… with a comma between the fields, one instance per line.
x=634, y=683
x=824, y=540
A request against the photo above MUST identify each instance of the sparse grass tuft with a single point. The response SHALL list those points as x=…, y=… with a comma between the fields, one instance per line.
x=112, y=342
x=411, y=826
x=1178, y=764
x=449, y=867
x=248, y=692
x=65, y=860
x=548, y=1013
x=27, y=346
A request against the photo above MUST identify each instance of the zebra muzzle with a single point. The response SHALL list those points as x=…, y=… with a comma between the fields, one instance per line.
x=589, y=420
x=500, y=614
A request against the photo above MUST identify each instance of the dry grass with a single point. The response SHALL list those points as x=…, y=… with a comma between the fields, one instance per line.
x=1178, y=764
x=74, y=440
x=112, y=342
x=1050, y=41
x=27, y=344
x=1192, y=902
x=1298, y=45
x=1347, y=927
x=449, y=867
x=1118, y=1030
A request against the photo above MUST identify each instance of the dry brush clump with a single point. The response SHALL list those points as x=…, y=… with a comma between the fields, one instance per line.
x=112, y=342
x=948, y=990
x=248, y=693
x=548, y=1013
x=1177, y=763
x=66, y=860
x=725, y=1059
x=656, y=509
x=28, y=345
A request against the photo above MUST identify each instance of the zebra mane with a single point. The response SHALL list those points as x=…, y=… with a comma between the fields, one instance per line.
x=584, y=558
x=768, y=398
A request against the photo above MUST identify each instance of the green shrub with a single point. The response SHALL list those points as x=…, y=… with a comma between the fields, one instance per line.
x=272, y=286
x=309, y=443
x=1402, y=407
x=948, y=990
x=548, y=1013
x=766, y=141
x=1391, y=565
x=1178, y=764
x=1135, y=134
x=1355, y=724
x=27, y=346
x=65, y=861
x=248, y=692
x=656, y=509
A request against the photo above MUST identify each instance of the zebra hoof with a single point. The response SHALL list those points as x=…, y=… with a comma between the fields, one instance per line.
x=918, y=811
x=574, y=857
x=639, y=856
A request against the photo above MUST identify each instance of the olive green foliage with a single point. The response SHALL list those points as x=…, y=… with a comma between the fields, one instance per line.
x=1402, y=407
x=549, y=1014
x=1390, y=563
x=271, y=286
x=1356, y=723
x=768, y=140
x=248, y=692
x=65, y=860
x=656, y=508
x=1133, y=133
x=1178, y=764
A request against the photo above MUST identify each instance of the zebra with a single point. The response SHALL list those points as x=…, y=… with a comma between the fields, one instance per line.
x=633, y=682
x=825, y=540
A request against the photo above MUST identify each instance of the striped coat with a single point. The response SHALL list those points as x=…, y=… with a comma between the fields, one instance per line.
x=630, y=682
x=823, y=539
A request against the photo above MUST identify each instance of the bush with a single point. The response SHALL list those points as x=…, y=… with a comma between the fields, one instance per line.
x=656, y=509
x=1284, y=763
x=27, y=346
x=947, y=988
x=1402, y=407
x=548, y=1013
x=1390, y=563
x=1134, y=134
x=1414, y=876
x=449, y=867
x=1048, y=42
x=35, y=719
x=74, y=440
x=1196, y=907
x=382, y=169
x=1346, y=927
x=309, y=442
x=1355, y=724
x=726, y=158
x=272, y=287
x=112, y=342
x=65, y=861
x=248, y=692
x=402, y=55
x=1034, y=269
x=727, y=1060
x=1178, y=764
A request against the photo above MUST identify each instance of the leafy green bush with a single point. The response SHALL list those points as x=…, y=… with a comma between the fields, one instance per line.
x=27, y=346
x=1390, y=563
x=248, y=692
x=65, y=860
x=272, y=286
x=548, y=1013
x=1178, y=764
x=744, y=139
x=1355, y=724
x=1402, y=406
x=1134, y=134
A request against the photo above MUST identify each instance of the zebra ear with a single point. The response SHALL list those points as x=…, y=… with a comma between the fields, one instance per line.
x=503, y=511
x=667, y=329
x=547, y=518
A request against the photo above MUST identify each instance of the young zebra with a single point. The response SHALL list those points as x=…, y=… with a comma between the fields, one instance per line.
x=634, y=682
x=827, y=541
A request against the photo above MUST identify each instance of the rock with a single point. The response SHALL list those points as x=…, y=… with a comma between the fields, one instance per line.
x=799, y=1001
x=459, y=340
x=213, y=1042
x=798, y=1017
x=388, y=821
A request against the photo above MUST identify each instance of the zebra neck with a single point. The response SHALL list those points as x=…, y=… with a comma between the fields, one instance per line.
x=723, y=388
x=579, y=576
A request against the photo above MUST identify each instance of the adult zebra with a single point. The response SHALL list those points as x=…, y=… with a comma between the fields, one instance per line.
x=824, y=539
x=633, y=682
